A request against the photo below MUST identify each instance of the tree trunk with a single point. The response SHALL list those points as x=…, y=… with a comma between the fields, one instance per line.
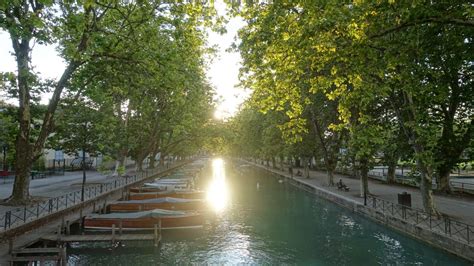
x=355, y=171
x=330, y=173
x=139, y=164
x=364, y=179
x=24, y=158
x=330, y=168
x=273, y=162
x=117, y=165
x=151, y=164
x=426, y=190
x=162, y=159
x=306, y=166
x=120, y=162
x=443, y=180
x=391, y=173
x=21, y=192
x=410, y=118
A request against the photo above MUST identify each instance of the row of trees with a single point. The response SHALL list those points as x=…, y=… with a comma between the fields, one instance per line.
x=377, y=79
x=133, y=84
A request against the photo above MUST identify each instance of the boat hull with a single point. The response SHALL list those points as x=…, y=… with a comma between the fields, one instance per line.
x=148, y=223
x=132, y=207
x=145, y=190
x=181, y=195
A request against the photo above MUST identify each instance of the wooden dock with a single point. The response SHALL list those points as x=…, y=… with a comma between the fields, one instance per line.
x=60, y=238
x=99, y=238
x=57, y=255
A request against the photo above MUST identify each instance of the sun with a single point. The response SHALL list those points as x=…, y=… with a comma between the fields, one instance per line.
x=219, y=114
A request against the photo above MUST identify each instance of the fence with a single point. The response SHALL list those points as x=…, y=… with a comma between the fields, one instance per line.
x=440, y=224
x=462, y=186
x=20, y=216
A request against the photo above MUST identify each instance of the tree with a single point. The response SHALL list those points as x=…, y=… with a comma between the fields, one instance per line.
x=87, y=33
x=77, y=28
x=80, y=127
x=371, y=59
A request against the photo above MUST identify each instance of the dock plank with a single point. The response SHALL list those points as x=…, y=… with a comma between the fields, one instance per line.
x=35, y=258
x=99, y=238
x=36, y=250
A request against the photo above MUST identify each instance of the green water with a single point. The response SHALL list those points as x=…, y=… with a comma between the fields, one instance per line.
x=273, y=224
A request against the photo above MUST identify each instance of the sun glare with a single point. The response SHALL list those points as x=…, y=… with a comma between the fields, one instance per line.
x=217, y=192
x=219, y=114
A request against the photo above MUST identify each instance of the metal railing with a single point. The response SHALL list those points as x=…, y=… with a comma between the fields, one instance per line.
x=20, y=216
x=462, y=186
x=440, y=224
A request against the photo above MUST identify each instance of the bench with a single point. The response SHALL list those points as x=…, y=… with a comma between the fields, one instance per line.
x=342, y=186
x=38, y=174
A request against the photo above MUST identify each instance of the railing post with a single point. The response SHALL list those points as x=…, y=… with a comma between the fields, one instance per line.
x=50, y=206
x=468, y=235
x=24, y=214
x=7, y=214
x=37, y=210
x=445, y=225
x=57, y=203
x=113, y=234
x=448, y=221
x=430, y=220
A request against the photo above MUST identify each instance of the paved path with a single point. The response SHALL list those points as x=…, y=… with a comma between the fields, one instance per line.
x=53, y=186
x=459, y=208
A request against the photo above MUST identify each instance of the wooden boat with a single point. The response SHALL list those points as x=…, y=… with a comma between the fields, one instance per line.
x=146, y=189
x=169, y=186
x=166, y=203
x=190, y=194
x=144, y=220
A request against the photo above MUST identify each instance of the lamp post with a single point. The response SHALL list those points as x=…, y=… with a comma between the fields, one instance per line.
x=5, y=148
x=84, y=143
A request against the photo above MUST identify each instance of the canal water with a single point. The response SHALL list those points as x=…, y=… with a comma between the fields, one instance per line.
x=259, y=219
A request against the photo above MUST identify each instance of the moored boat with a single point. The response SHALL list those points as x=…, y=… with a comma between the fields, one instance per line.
x=144, y=220
x=166, y=203
x=146, y=189
x=164, y=186
x=192, y=194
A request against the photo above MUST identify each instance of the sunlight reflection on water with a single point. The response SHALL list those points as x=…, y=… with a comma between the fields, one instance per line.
x=217, y=191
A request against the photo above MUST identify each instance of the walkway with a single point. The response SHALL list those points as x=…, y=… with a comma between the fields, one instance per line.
x=459, y=208
x=53, y=186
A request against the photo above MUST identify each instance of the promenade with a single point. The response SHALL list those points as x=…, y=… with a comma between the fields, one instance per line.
x=53, y=186
x=460, y=208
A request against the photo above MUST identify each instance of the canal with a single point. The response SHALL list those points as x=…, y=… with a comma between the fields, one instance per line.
x=258, y=219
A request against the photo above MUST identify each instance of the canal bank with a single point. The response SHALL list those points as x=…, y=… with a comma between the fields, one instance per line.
x=58, y=214
x=448, y=235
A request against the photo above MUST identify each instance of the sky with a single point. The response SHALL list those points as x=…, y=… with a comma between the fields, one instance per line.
x=222, y=73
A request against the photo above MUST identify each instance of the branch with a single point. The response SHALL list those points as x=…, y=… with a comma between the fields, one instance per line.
x=453, y=21
x=53, y=103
